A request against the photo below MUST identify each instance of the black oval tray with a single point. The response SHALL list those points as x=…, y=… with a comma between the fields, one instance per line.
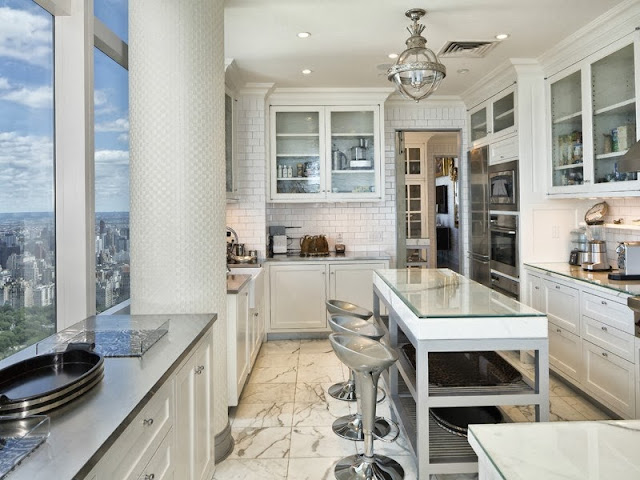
x=456, y=420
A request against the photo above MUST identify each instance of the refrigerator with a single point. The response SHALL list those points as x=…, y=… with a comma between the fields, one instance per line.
x=480, y=269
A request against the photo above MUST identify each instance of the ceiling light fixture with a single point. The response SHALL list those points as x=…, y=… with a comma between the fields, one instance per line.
x=502, y=36
x=306, y=71
x=417, y=72
x=393, y=55
x=463, y=71
x=304, y=35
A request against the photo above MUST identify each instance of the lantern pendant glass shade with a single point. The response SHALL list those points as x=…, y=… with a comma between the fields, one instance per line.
x=417, y=73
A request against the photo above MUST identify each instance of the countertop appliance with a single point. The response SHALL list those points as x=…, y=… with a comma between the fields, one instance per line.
x=597, y=250
x=480, y=270
x=579, y=248
x=503, y=186
x=359, y=155
x=277, y=239
x=628, y=261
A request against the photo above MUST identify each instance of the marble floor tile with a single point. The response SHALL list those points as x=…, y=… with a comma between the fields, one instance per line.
x=268, y=393
x=243, y=469
x=561, y=411
x=455, y=476
x=320, y=375
x=319, y=442
x=559, y=389
x=307, y=392
x=284, y=374
x=258, y=415
x=319, y=414
x=513, y=414
x=280, y=347
x=315, y=346
x=590, y=411
x=276, y=360
x=391, y=449
x=270, y=442
x=312, y=468
x=318, y=360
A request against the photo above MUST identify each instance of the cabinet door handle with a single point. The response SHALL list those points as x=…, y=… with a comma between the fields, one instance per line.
x=537, y=288
x=558, y=330
x=604, y=354
x=604, y=329
x=147, y=422
x=558, y=287
x=199, y=369
x=255, y=314
x=150, y=476
x=603, y=302
x=324, y=273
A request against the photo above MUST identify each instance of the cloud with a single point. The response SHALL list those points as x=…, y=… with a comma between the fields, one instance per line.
x=123, y=137
x=111, y=157
x=4, y=83
x=99, y=97
x=118, y=125
x=39, y=97
x=26, y=36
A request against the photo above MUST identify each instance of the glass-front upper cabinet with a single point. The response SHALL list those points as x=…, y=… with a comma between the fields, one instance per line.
x=566, y=131
x=353, y=166
x=298, y=149
x=494, y=118
x=614, y=113
x=503, y=113
x=479, y=128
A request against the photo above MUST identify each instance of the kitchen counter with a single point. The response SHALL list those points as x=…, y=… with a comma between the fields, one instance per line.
x=236, y=282
x=600, y=279
x=83, y=430
x=559, y=450
x=332, y=257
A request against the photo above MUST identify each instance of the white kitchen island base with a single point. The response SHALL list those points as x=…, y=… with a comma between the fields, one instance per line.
x=440, y=311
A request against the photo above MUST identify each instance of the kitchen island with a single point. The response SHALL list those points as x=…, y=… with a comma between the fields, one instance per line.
x=437, y=310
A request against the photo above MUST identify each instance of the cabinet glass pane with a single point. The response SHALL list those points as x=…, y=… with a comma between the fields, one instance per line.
x=479, y=124
x=297, y=152
x=503, y=113
x=413, y=164
x=566, y=131
x=352, y=152
x=614, y=113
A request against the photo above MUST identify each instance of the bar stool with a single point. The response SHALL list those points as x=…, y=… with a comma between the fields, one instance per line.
x=346, y=390
x=350, y=426
x=368, y=358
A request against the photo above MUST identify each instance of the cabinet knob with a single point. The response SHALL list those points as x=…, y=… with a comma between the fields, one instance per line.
x=558, y=287
x=558, y=330
x=604, y=329
x=604, y=354
x=147, y=422
x=603, y=302
x=324, y=273
x=150, y=476
x=537, y=288
x=255, y=314
x=199, y=369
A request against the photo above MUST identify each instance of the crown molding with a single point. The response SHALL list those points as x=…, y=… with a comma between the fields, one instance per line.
x=501, y=77
x=434, y=101
x=329, y=96
x=232, y=75
x=255, y=88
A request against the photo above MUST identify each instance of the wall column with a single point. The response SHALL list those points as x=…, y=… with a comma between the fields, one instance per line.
x=178, y=257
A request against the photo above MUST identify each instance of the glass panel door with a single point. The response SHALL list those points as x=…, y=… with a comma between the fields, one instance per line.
x=297, y=153
x=503, y=113
x=353, y=151
x=566, y=131
x=614, y=113
x=479, y=124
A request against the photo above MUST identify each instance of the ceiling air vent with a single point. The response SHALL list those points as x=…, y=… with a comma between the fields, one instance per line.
x=470, y=49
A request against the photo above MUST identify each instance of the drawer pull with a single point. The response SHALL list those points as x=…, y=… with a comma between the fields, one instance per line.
x=604, y=329
x=558, y=287
x=537, y=288
x=604, y=354
x=151, y=476
x=558, y=330
x=147, y=422
x=603, y=302
x=199, y=369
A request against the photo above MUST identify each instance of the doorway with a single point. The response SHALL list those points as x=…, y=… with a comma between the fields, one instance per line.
x=427, y=193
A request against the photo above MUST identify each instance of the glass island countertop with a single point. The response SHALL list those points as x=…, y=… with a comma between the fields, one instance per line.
x=438, y=293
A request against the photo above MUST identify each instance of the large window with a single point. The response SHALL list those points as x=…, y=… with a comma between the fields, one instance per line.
x=111, y=99
x=27, y=227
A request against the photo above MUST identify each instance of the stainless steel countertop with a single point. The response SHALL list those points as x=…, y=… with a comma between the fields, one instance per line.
x=575, y=272
x=332, y=257
x=235, y=283
x=83, y=430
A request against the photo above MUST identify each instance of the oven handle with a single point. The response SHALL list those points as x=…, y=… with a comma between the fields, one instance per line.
x=502, y=230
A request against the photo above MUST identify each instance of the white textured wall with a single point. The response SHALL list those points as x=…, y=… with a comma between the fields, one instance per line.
x=176, y=75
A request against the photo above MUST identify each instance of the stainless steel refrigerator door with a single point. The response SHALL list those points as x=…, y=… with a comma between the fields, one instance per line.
x=480, y=269
x=479, y=193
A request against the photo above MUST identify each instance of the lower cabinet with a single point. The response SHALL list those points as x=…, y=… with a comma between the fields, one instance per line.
x=353, y=283
x=238, y=340
x=562, y=305
x=565, y=351
x=161, y=466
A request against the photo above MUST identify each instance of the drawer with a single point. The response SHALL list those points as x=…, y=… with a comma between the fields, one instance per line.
x=609, y=338
x=503, y=151
x=562, y=305
x=161, y=466
x=565, y=352
x=134, y=448
x=612, y=313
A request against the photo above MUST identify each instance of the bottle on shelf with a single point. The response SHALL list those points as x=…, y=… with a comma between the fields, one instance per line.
x=289, y=172
x=280, y=171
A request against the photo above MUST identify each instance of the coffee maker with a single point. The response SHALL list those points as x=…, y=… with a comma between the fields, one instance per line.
x=596, y=256
x=277, y=240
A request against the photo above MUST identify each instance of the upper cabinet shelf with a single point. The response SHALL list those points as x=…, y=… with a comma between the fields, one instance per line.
x=493, y=119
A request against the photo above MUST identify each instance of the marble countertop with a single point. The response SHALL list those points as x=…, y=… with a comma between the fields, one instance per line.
x=601, y=450
x=332, y=257
x=236, y=282
x=83, y=430
x=441, y=304
x=575, y=272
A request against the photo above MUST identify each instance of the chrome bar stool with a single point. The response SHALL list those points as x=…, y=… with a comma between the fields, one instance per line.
x=346, y=390
x=368, y=359
x=350, y=426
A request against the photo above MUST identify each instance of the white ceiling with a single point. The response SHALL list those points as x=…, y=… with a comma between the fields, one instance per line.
x=350, y=39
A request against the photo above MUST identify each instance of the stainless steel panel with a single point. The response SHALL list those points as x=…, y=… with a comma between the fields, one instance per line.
x=480, y=271
x=479, y=197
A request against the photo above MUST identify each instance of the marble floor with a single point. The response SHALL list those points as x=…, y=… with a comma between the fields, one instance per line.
x=282, y=425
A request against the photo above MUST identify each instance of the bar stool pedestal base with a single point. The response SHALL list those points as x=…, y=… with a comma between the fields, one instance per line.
x=358, y=467
x=350, y=427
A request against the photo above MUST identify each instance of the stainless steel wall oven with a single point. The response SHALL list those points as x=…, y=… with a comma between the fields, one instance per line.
x=503, y=236
x=503, y=186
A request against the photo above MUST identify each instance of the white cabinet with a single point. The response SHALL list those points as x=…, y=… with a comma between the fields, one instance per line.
x=609, y=338
x=503, y=150
x=493, y=119
x=194, y=414
x=257, y=318
x=354, y=282
x=562, y=306
x=608, y=311
x=592, y=118
x=536, y=293
x=325, y=153
x=565, y=351
x=610, y=379
x=298, y=297
x=238, y=340
x=162, y=465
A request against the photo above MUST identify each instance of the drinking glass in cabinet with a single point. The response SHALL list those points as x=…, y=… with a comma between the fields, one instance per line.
x=614, y=113
x=566, y=131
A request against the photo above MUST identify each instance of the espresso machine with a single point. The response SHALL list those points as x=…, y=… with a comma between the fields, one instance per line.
x=359, y=155
x=596, y=256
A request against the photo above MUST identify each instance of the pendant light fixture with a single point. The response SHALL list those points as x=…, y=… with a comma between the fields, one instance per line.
x=417, y=72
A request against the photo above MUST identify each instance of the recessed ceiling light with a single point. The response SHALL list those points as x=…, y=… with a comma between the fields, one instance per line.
x=306, y=71
x=393, y=55
x=304, y=35
x=502, y=36
x=463, y=71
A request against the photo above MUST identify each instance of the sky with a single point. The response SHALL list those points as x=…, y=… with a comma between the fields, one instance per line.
x=27, y=116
